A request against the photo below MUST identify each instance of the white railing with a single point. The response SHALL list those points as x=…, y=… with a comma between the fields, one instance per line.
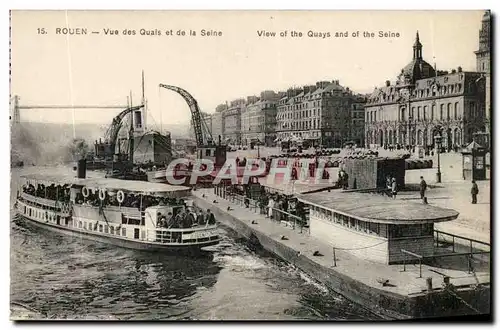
x=179, y=235
x=129, y=212
x=38, y=200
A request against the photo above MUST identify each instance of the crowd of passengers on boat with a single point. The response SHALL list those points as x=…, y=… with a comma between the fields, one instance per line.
x=183, y=216
x=53, y=192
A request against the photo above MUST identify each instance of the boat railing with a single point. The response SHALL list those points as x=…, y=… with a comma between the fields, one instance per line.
x=129, y=212
x=40, y=200
x=458, y=242
x=182, y=235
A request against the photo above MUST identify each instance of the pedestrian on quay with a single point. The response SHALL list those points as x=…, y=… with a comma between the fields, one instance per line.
x=474, y=191
x=394, y=188
x=423, y=187
x=270, y=207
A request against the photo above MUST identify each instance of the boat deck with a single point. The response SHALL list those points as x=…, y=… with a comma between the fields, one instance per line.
x=401, y=282
x=106, y=183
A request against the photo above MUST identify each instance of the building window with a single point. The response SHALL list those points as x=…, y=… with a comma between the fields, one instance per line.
x=419, y=110
x=412, y=113
x=433, y=109
x=441, y=112
x=374, y=228
x=425, y=112
x=124, y=231
x=455, y=111
x=403, y=114
x=448, y=111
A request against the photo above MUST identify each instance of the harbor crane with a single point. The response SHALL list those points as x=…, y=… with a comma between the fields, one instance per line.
x=206, y=148
x=108, y=148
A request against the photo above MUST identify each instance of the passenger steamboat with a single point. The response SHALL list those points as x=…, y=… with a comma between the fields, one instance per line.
x=131, y=214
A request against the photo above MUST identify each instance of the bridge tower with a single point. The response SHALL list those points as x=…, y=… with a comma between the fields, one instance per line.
x=15, y=117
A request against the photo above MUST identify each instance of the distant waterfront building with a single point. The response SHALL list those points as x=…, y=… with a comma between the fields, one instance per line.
x=231, y=121
x=423, y=103
x=217, y=122
x=258, y=119
x=357, y=128
x=318, y=114
x=483, y=64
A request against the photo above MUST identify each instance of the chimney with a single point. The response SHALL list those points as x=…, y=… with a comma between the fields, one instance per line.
x=387, y=83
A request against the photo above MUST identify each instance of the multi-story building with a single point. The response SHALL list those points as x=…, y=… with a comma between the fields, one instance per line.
x=258, y=119
x=357, y=128
x=231, y=121
x=483, y=64
x=424, y=103
x=318, y=114
x=218, y=123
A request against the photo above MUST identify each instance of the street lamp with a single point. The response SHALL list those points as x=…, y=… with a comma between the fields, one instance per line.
x=437, y=141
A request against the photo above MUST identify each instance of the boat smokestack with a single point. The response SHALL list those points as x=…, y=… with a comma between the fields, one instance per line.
x=81, y=169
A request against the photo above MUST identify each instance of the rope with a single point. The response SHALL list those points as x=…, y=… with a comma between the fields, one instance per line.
x=101, y=212
x=448, y=289
x=362, y=248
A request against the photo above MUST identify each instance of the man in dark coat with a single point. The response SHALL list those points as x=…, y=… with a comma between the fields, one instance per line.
x=423, y=187
x=210, y=218
x=474, y=191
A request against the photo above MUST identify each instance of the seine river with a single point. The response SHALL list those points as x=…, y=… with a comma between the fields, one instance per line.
x=70, y=278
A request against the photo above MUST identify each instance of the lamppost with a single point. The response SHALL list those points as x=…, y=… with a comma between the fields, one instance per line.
x=437, y=141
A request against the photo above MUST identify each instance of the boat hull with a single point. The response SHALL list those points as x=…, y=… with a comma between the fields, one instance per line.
x=120, y=242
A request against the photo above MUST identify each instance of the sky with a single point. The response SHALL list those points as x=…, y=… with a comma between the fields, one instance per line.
x=57, y=69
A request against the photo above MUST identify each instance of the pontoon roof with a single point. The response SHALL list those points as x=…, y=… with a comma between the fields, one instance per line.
x=376, y=208
x=106, y=183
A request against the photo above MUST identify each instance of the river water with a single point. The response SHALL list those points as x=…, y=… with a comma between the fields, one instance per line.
x=64, y=277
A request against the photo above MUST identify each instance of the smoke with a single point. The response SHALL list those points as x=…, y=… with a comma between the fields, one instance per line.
x=78, y=149
x=49, y=144
x=24, y=147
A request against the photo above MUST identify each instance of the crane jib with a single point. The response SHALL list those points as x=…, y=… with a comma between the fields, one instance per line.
x=202, y=134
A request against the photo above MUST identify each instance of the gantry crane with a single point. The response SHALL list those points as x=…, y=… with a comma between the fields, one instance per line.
x=206, y=147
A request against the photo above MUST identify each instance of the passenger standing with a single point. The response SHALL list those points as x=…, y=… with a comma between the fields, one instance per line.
x=474, y=191
x=423, y=187
x=210, y=218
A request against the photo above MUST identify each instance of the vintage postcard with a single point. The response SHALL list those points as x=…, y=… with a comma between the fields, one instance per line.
x=250, y=165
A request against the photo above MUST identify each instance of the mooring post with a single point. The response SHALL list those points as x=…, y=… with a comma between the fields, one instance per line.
x=437, y=239
x=420, y=262
x=404, y=263
x=453, y=246
x=334, y=258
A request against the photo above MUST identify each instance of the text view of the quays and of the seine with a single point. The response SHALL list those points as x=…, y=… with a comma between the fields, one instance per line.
x=250, y=165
